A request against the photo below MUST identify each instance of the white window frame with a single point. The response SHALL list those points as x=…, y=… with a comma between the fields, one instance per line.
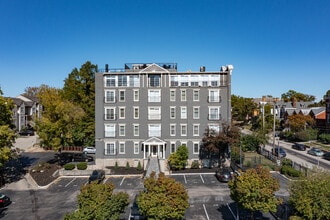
x=172, y=129
x=154, y=113
x=198, y=147
x=172, y=112
x=121, y=112
x=183, y=129
x=183, y=111
x=122, y=129
x=136, y=130
x=110, y=148
x=172, y=95
x=136, y=95
x=196, y=112
x=154, y=130
x=195, y=129
x=214, y=95
x=214, y=113
x=173, y=145
x=121, y=147
x=136, y=147
x=109, y=96
x=136, y=111
x=215, y=127
x=109, y=130
x=183, y=95
x=196, y=96
x=111, y=115
x=122, y=95
x=154, y=95
x=111, y=79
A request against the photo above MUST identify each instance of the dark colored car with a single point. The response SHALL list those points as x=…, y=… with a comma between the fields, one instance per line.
x=278, y=152
x=4, y=200
x=82, y=157
x=97, y=175
x=224, y=174
x=26, y=132
x=135, y=212
x=298, y=146
x=66, y=157
x=326, y=156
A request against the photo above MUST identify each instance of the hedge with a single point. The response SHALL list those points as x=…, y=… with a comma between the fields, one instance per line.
x=69, y=166
x=82, y=166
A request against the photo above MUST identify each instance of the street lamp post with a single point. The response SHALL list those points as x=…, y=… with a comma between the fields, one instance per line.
x=274, y=114
x=263, y=103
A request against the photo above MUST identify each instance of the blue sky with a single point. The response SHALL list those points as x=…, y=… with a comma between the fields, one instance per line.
x=274, y=45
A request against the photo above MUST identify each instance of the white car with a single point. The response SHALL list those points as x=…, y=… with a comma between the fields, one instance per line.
x=89, y=150
x=315, y=151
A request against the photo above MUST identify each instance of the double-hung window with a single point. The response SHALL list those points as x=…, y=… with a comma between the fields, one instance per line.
x=196, y=148
x=172, y=112
x=183, y=95
x=196, y=129
x=183, y=129
x=110, y=113
x=109, y=130
x=214, y=113
x=122, y=147
x=136, y=112
x=136, y=147
x=154, y=130
x=110, y=96
x=136, y=130
x=122, y=130
x=172, y=95
x=109, y=81
x=121, y=112
x=110, y=148
x=172, y=129
x=154, y=95
x=196, y=95
x=136, y=95
x=214, y=95
x=122, y=80
x=154, y=113
x=195, y=112
x=154, y=80
x=122, y=95
x=183, y=112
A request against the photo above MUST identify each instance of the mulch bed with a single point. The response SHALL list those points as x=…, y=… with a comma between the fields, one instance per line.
x=202, y=170
x=44, y=176
x=125, y=170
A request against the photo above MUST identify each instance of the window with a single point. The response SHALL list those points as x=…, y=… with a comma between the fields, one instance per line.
x=110, y=81
x=172, y=112
x=196, y=95
x=154, y=113
x=134, y=81
x=172, y=95
x=122, y=95
x=122, y=147
x=172, y=129
x=196, y=129
x=183, y=95
x=136, y=112
x=110, y=113
x=136, y=95
x=154, y=130
x=214, y=95
x=154, y=96
x=196, y=113
x=136, y=147
x=121, y=112
x=122, y=80
x=215, y=128
x=110, y=148
x=154, y=80
x=173, y=147
x=194, y=80
x=215, y=80
x=196, y=148
x=174, y=81
x=109, y=130
x=136, y=130
x=184, y=80
x=122, y=130
x=183, y=112
x=214, y=113
x=183, y=130
x=109, y=96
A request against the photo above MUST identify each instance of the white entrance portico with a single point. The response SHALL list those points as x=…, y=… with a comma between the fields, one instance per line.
x=154, y=147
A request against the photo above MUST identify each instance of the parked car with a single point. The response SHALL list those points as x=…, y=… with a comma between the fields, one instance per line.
x=224, y=174
x=97, y=175
x=135, y=212
x=298, y=146
x=315, y=151
x=279, y=151
x=326, y=156
x=4, y=200
x=26, y=132
x=67, y=157
x=89, y=150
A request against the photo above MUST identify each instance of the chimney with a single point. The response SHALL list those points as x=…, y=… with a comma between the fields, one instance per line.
x=202, y=69
x=106, y=68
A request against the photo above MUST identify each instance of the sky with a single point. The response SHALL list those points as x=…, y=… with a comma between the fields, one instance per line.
x=274, y=45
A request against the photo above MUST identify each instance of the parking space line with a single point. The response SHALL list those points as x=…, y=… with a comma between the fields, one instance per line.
x=201, y=177
x=70, y=182
x=185, y=180
x=122, y=181
x=207, y=216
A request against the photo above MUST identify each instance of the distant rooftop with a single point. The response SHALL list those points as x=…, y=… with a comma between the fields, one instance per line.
x=136, y=67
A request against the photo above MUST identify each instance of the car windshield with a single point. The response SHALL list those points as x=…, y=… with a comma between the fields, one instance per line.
x=95, y=172
x=1, y=196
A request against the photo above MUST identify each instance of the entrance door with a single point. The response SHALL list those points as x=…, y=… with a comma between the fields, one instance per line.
x=154, y=150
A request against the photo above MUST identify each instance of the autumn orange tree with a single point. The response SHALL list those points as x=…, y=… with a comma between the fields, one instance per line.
x=254, y=190
x=163, y=198
x=300, y=122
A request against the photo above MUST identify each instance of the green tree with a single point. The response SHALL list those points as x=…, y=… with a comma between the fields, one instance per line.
x=251, y=142
x=163, y=198
x=310, y=196
x=98, y=202
x=178, y=159
x=242, y=108
x=292, y=95
x=79, y=89
x=254, y=190
x=60, y=119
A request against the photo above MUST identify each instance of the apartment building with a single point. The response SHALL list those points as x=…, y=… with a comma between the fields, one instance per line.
x=149, y=109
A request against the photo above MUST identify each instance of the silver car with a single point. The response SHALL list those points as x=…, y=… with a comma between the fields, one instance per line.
x=315, y=151
x=89, y=150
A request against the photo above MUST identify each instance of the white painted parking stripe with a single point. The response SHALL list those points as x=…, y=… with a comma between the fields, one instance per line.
x=122, y=181
x=70, y=182
x=201, y=177
x=185, y=180
x=207, y=216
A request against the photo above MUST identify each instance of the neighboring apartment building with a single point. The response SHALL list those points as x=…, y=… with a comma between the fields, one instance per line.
x=148, y=110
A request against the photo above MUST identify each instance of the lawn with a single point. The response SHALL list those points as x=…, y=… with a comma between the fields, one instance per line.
x=251, y=159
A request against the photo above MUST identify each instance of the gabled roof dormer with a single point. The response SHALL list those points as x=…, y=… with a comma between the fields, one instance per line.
x=154, y=68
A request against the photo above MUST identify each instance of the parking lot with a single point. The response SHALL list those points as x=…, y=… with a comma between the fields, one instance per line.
x=208, y=198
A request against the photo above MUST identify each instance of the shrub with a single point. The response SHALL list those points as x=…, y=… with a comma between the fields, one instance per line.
x=288, y=170
x=139, y=167
x=127, y=165
x=69, y=166
x=116, y=165
x=195, y=164
x=82, y=166
x=287, y=162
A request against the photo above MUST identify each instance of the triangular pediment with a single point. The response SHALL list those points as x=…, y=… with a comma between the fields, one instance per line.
x=154, y=68
x=154, y=140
